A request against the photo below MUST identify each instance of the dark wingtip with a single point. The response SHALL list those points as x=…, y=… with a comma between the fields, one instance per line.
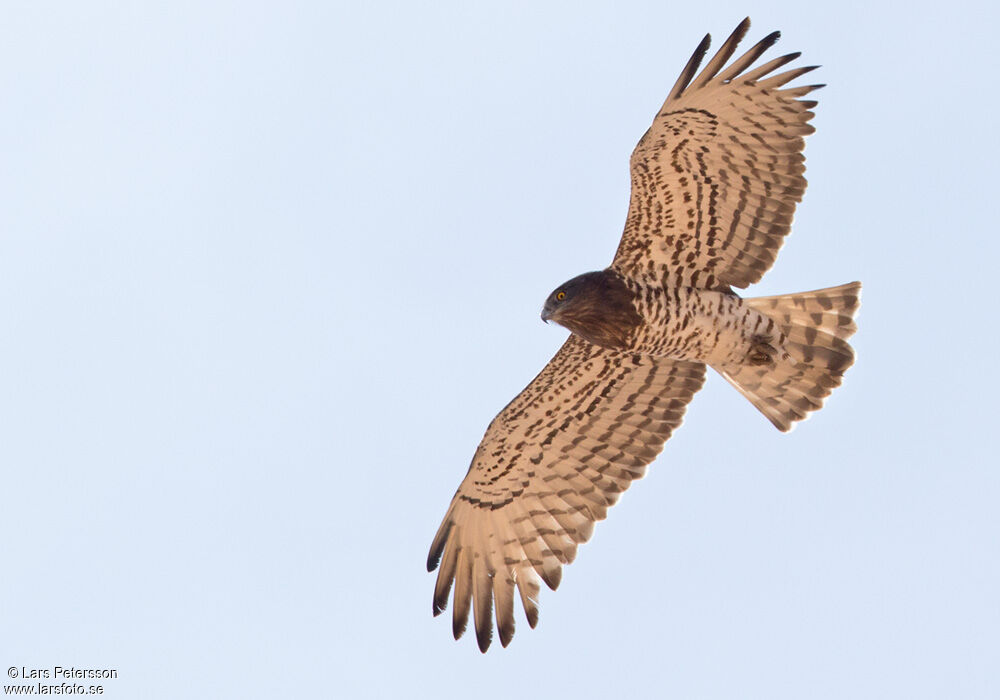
x=437, y=547
x=693, y=63
x=552, y=578
x=702, y=49
x=440, y=605
x=484, y=637
x=687, y=75
x=458, y=626
x=506, y=633
x=741, y=31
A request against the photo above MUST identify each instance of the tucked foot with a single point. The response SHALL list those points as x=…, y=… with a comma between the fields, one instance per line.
x=762, y=352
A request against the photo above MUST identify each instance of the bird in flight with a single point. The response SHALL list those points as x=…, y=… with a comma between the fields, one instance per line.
x=715, y=181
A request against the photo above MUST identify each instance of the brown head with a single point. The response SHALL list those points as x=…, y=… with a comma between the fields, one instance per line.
x=597, y=306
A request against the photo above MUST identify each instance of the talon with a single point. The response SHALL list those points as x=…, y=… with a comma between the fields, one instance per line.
x=761, y=351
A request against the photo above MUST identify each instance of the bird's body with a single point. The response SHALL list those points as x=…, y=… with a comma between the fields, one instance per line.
x=704, y=326
x=715, y=181
x=684, y=323
x=679, y=323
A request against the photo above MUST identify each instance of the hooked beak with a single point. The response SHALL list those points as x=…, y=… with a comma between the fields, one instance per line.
x=546, y=313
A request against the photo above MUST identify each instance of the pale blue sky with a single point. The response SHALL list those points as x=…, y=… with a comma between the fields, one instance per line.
x=268, y=270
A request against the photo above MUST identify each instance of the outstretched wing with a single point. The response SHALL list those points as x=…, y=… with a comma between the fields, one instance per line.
x=716, y=178
x=549, y=466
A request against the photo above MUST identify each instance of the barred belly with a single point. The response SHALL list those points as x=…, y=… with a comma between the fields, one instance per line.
x=693, y=324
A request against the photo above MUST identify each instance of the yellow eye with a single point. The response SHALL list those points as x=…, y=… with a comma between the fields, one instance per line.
x=560, y=296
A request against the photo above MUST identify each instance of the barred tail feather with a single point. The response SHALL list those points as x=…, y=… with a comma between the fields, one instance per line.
x=816, y=326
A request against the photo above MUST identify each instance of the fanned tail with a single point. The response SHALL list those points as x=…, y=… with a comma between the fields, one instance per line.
x=816, y=326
